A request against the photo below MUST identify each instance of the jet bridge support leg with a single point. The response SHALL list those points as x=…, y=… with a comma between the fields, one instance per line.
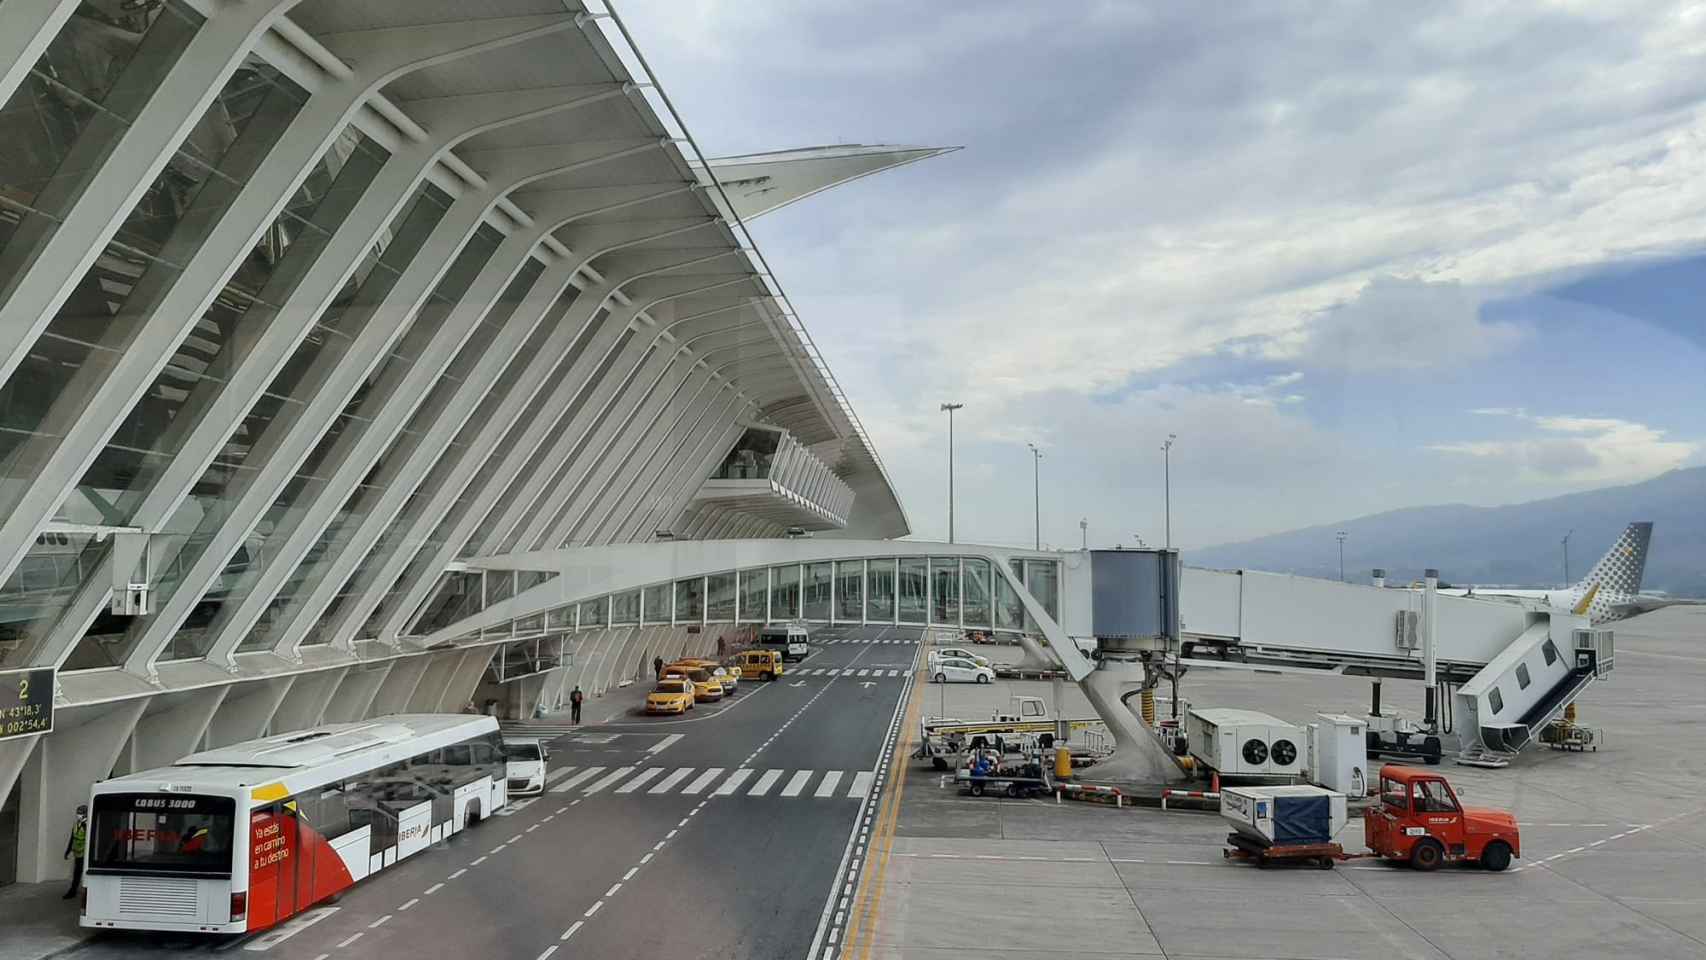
x=1139, y=756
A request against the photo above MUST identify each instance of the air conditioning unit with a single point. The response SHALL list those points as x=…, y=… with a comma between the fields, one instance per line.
x=1593, y=648
x=1244, y=743
x=132, y=601
x=1406, y=634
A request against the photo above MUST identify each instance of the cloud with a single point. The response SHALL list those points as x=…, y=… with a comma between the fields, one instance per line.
x=1398, y=323
x=1577, y=451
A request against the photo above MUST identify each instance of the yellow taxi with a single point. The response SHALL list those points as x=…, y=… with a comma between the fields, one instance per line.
x=726, y=676
x=759, y=664
x=706, y=689
x=673, y=695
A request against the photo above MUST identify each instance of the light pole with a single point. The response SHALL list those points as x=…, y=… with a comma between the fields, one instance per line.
x=1139, y=538
x=950, y=408
x=1567, y=556
x=1084, y=532
x=1167, y=483
x=1037, y=490
x=1340, y=536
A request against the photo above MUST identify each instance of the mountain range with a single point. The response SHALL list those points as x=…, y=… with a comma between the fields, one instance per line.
x=1513, y=545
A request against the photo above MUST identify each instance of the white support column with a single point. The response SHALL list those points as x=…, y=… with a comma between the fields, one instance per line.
x=636, y=465
x=633, y=415
x=98, y=399
x=305, y=705
x=629, y=522
x=707, y=431
x=430, y=690
x=398, y=687
x=522, y=446
x=14, y=754
x=508, y=529
x=353, y=698
x=247, y=711
x=26, y=29
x=82, y=749
x=29, y=300
x=284, y=452
x=465, y=678
x=165, y=736
x=706, y=457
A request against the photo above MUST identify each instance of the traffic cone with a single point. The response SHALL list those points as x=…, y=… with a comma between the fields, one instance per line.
x=1214, y=782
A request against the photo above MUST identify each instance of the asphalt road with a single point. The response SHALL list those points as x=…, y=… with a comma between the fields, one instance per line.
x=723, y=834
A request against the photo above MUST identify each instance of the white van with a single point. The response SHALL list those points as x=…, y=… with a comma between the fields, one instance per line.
x=524, y=762
x=793, y=638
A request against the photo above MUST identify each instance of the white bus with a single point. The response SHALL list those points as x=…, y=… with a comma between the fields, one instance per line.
x=794, y=639
x=240, y=838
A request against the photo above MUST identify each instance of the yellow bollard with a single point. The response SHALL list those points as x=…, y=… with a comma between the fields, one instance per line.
x=1148, y=707
x=1062, y=762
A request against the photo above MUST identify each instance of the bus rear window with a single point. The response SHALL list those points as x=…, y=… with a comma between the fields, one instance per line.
x=161, y=833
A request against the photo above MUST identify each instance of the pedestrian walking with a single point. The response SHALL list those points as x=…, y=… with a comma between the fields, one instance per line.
x=657, y=668
x=575, y=698
x=74, y=847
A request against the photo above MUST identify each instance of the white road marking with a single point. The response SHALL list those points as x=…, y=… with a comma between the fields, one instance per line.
x=459, y=872
x=630, y=874
x=797, y=783
x=576, y=780
x=665, y=743
x=765, y=782
x=429, y=891
x=609, y=779
x=571, y=931
x=548, y=951
x=646, y=859
x=558, y=775
x=612, y=891
x=350, y=939
x=646, y=776
x=594, y=908
x=380, y=922
x=702, y=781
x=290, y=929
x=827, y=787
x=407, y=904
x=729, y=786
x=861, y=784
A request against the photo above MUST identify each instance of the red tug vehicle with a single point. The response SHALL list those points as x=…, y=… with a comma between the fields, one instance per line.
x=1416, y=820
x=1419, y=820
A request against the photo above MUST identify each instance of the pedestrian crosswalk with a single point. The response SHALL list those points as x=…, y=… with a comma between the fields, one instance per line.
x=870, y=672
x=712, y=782
x=907, y=640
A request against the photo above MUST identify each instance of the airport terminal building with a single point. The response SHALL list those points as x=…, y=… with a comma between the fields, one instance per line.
x=308, y=306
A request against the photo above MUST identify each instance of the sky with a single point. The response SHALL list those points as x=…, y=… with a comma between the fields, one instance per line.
x=1355, y=256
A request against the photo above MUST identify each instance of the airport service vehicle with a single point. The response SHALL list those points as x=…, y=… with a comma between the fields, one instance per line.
x=1272, y=823
x=672, y=695
x=793, y=639
x=524, y=766
x=240, y=838
x=992, y=771
x=1026, y=725
x=956, y=670
x=1394, y=735
x=1419, y=820
x=706, y=689
x=759, y=664
x=958, y=653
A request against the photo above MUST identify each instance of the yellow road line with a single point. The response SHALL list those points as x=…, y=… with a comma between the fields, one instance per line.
x=862, y=925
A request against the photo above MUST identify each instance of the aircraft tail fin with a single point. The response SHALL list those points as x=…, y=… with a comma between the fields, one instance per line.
x=1619, y=572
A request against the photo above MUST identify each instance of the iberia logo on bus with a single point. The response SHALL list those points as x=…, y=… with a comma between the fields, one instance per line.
x=291, y=868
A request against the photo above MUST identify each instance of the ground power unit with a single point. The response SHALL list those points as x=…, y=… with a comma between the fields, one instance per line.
x=1244, y=743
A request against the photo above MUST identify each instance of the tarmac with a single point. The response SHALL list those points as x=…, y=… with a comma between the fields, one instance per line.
x=1613, y=844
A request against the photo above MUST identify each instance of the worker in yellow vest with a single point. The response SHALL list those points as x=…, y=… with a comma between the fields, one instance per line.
x=74, y=847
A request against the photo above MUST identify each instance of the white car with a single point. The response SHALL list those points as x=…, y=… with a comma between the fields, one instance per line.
x=960, y=670
x=958, y=653
x=524, y=763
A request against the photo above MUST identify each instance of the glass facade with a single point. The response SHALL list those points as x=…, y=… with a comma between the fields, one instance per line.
x=690, y=600
x=849, y=590
x=974, y=592
x=754, y=595
x=879, y=588
x=945, y=590
x=625, y=608
x=751, y=456
x=914, y=590
x=784, y=593
x=720, y=597
x=657, y=604
x=819, y=578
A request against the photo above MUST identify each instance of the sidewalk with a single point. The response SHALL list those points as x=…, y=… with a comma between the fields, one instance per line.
x=36, y=922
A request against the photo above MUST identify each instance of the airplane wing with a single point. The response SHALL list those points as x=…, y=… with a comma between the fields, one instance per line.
x=1639, y=605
